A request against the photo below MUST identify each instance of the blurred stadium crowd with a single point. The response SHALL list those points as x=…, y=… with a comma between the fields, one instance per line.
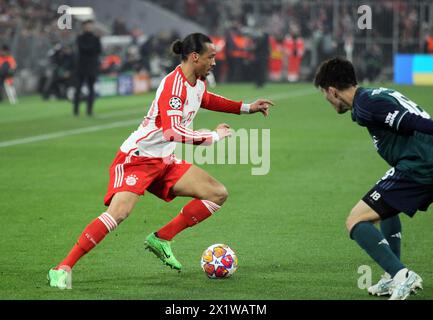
x=276, y=40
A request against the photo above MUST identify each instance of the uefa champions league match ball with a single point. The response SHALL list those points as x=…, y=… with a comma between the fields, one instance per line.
x=219, y=261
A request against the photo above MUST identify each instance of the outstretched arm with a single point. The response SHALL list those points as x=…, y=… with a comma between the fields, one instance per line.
x=261, y=105
x=216, y=102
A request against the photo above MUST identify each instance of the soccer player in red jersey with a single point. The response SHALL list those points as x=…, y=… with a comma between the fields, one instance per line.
x=146, y=161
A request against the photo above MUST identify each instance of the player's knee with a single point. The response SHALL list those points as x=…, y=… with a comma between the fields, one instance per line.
x=218, y=194
x=351, y=220
x=120, y=211
x=349, y=224
x=122, y=215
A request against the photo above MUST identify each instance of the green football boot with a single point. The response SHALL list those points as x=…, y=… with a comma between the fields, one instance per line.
x=162, y=249
x=60, y=278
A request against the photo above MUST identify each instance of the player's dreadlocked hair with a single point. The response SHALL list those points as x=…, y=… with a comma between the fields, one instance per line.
x=336, y=72
x=192, y=43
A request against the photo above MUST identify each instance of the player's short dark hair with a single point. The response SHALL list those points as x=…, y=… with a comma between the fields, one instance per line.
x=195, y=42
x=336, y=72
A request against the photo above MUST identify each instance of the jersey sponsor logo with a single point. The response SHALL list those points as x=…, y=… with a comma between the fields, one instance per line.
x=131, y=180
x=175, y=103
x=391, y=117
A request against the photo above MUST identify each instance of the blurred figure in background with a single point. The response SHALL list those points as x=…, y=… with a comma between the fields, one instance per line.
x=328, y=45
x=7, y=70
x=261, y=57
x=220, y=68
x=146, y=50
x=132, y=61
x=295, y=48
x=235, y=53
x=89, y=50
x=111, y=64
x=372, y=58
x=428, y=42
x=60, y=73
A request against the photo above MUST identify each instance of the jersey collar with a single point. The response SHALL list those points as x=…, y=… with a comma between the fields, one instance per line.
x=355, y=102
x=184, y=78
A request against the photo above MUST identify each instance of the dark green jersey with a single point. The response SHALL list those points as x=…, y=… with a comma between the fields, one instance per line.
x=384, y=111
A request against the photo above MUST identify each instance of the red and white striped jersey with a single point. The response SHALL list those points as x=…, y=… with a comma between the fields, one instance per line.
x=174, y=108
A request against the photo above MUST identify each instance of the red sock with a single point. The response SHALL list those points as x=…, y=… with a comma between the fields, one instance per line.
x=194, y=212
x=91, y=236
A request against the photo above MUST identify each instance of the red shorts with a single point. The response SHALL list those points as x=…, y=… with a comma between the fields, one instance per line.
x=137, y=174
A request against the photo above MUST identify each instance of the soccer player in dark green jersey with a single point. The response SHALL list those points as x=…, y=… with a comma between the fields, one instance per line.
x=402, y=133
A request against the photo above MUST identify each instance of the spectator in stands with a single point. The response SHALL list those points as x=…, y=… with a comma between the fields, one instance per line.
x=89, y=50
x=7, y=70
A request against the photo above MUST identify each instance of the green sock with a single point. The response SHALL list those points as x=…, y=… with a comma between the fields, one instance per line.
x=391, y=229
x=372, y=241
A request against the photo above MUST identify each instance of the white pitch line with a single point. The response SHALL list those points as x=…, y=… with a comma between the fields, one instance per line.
x=66, y=133
x=60, y=134
x=120, y=113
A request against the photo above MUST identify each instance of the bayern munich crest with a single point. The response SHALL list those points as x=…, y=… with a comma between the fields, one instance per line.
x=175, y=103
x=131, y=180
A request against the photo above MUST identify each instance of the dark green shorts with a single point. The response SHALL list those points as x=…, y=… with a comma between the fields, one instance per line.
x=397, y=192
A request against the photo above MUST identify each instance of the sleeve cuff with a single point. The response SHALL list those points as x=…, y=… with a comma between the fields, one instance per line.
x=215, y=136
x=245, y=108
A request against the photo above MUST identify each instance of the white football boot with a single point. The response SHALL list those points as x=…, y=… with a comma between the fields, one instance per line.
x=383, y=287
x=404, y=283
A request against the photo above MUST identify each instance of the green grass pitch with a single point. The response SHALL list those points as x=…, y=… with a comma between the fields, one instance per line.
x=287, y=227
